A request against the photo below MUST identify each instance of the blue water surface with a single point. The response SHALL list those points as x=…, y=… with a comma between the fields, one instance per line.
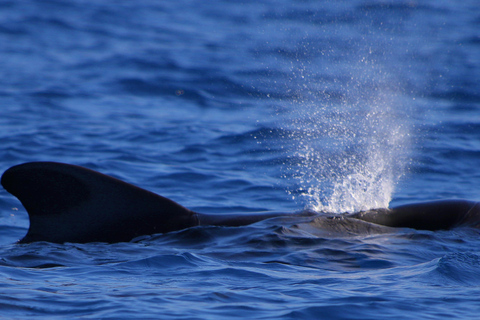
x=246, y=106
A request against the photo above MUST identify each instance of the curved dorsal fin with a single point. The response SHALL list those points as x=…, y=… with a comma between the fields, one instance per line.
x=68, y=203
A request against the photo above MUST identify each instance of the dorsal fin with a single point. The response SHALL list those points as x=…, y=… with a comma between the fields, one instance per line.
x=68, y=203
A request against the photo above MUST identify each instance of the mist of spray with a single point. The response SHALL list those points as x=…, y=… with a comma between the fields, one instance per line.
x=351, y=141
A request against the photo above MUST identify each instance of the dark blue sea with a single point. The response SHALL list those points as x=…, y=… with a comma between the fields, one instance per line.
x=237, y=107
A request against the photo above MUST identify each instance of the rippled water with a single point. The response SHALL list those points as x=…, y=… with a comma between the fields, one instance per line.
x=240, y=107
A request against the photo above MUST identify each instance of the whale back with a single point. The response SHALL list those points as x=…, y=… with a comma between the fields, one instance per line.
x=432, y=215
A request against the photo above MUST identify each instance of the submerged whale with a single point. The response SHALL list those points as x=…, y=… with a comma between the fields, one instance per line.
x=69, y=203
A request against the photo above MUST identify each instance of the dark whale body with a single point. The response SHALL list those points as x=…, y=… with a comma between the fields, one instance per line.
x=68, y=203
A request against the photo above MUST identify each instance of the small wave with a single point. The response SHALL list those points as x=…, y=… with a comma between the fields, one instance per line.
x=458, y=268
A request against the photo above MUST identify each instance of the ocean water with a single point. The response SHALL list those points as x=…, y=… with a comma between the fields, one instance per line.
x=245, y=106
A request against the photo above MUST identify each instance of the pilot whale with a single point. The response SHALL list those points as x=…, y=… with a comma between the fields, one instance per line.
x=69, y=203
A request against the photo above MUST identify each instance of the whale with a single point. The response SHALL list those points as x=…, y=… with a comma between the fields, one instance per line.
x=70, y=203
